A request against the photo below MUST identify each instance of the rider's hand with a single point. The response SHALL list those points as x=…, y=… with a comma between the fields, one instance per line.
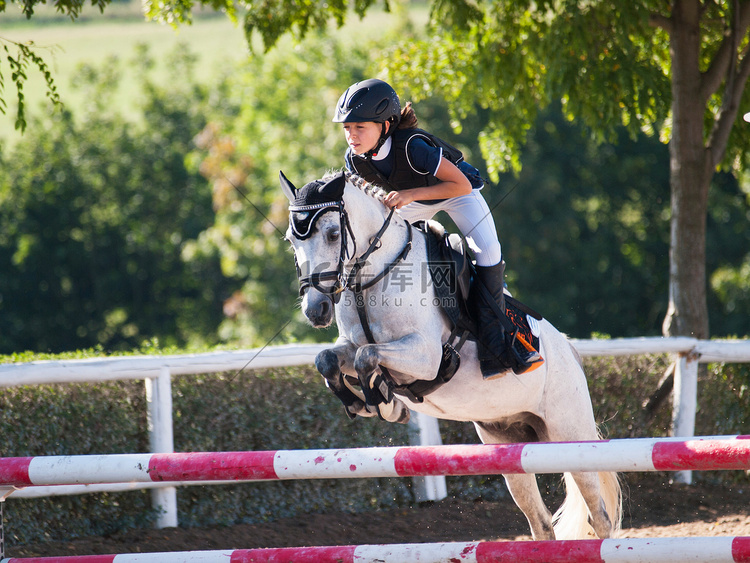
x=398, y=199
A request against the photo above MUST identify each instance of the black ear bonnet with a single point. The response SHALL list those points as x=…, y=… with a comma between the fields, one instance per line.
x=312, y=200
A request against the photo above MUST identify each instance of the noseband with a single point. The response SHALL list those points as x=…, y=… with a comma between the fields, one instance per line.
x=344, y=282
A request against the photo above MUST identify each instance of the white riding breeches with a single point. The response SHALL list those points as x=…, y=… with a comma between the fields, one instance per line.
x=472, y=216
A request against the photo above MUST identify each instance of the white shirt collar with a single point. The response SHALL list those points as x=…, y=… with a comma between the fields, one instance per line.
x=384, y=150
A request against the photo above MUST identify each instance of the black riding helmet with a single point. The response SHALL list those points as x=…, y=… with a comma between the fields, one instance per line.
x=370, y=100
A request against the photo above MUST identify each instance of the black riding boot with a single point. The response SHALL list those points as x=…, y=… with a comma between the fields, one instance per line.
x=498, y=351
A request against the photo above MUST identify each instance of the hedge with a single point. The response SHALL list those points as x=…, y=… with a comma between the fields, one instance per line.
x=290, y=409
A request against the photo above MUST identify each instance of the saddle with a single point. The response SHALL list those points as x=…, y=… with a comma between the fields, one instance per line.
x=451, y=274
x=457, y=292
x=454, y=280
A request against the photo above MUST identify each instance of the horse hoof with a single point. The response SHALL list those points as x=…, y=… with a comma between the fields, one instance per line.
x=394, y=411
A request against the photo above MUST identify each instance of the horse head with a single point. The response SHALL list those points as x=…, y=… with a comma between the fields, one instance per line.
x=318, y=234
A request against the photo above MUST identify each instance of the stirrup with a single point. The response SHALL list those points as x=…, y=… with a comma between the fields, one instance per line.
x=527, y=358
x=530, y=362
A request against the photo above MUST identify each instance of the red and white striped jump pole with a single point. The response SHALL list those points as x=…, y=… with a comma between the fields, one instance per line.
x=644, y=454
x=632, y=550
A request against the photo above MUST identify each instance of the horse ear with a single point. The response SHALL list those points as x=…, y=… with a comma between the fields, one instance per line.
x=287, y=187
x=334, y=188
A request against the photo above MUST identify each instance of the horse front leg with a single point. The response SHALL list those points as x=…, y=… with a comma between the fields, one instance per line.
x=409, y=358
x=405, y=360
x=330, y=363
x=333, y=364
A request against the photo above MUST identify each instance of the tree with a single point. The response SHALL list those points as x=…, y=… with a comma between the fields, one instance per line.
x=677, y=70
x=95, y=216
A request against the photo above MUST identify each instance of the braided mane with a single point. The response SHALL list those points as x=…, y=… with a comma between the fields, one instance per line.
x=363, y=185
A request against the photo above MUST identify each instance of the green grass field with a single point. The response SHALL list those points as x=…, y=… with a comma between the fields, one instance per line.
x=94, y=38
x=65, y=45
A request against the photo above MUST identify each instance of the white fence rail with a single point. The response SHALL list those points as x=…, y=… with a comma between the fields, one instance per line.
x=158, y=370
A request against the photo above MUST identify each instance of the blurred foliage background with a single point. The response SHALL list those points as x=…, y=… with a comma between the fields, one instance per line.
x=116, y=231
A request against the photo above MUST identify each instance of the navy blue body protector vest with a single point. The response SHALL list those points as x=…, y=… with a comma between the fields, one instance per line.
x=403, y=176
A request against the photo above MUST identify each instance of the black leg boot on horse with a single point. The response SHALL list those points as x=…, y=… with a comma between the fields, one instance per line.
x=499, y=348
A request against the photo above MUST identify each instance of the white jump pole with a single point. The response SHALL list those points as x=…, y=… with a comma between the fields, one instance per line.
x=625, y=550
x=634, y=454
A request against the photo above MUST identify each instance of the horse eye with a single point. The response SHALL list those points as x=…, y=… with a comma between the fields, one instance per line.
x=334, y=235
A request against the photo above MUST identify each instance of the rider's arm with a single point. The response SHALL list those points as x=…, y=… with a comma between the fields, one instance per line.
x=453, y=184
x=428, y=159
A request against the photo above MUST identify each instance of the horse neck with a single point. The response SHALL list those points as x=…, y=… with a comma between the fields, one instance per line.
x=366, y=216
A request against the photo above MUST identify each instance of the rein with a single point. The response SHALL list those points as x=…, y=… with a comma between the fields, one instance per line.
x=374, y=245
x=379, y=384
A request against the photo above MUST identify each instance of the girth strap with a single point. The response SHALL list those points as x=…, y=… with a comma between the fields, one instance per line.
x=449, y=364
x=417, y=390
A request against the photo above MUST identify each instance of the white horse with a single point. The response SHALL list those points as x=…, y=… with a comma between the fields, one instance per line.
x=332, y=221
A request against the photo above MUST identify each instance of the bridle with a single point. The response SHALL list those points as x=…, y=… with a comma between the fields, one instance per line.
x=350, y=281
x=337, y=275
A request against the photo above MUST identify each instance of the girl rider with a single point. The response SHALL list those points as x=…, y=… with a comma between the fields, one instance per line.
x=425, y=175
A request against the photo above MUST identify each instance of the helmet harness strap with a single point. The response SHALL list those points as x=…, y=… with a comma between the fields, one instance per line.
x=381, y=141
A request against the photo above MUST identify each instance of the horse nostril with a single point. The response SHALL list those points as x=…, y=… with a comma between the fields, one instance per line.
x=325, y=308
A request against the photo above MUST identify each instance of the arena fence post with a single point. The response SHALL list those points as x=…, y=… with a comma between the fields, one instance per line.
x=161, y=438
x=685, y=400
x=424, y=430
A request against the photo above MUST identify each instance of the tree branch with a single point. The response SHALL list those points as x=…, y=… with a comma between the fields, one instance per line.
x=723, y=127
x=713, y=78
x=26, y=56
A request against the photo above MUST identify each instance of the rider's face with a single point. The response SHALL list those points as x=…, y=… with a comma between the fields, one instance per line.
x=362, y=136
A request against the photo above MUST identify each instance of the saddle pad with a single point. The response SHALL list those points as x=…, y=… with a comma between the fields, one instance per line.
x=525, y=319
x=446, y=269
x=444, y=264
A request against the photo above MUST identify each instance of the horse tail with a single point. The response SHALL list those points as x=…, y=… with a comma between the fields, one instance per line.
x=609, y=483
x=571, y=521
